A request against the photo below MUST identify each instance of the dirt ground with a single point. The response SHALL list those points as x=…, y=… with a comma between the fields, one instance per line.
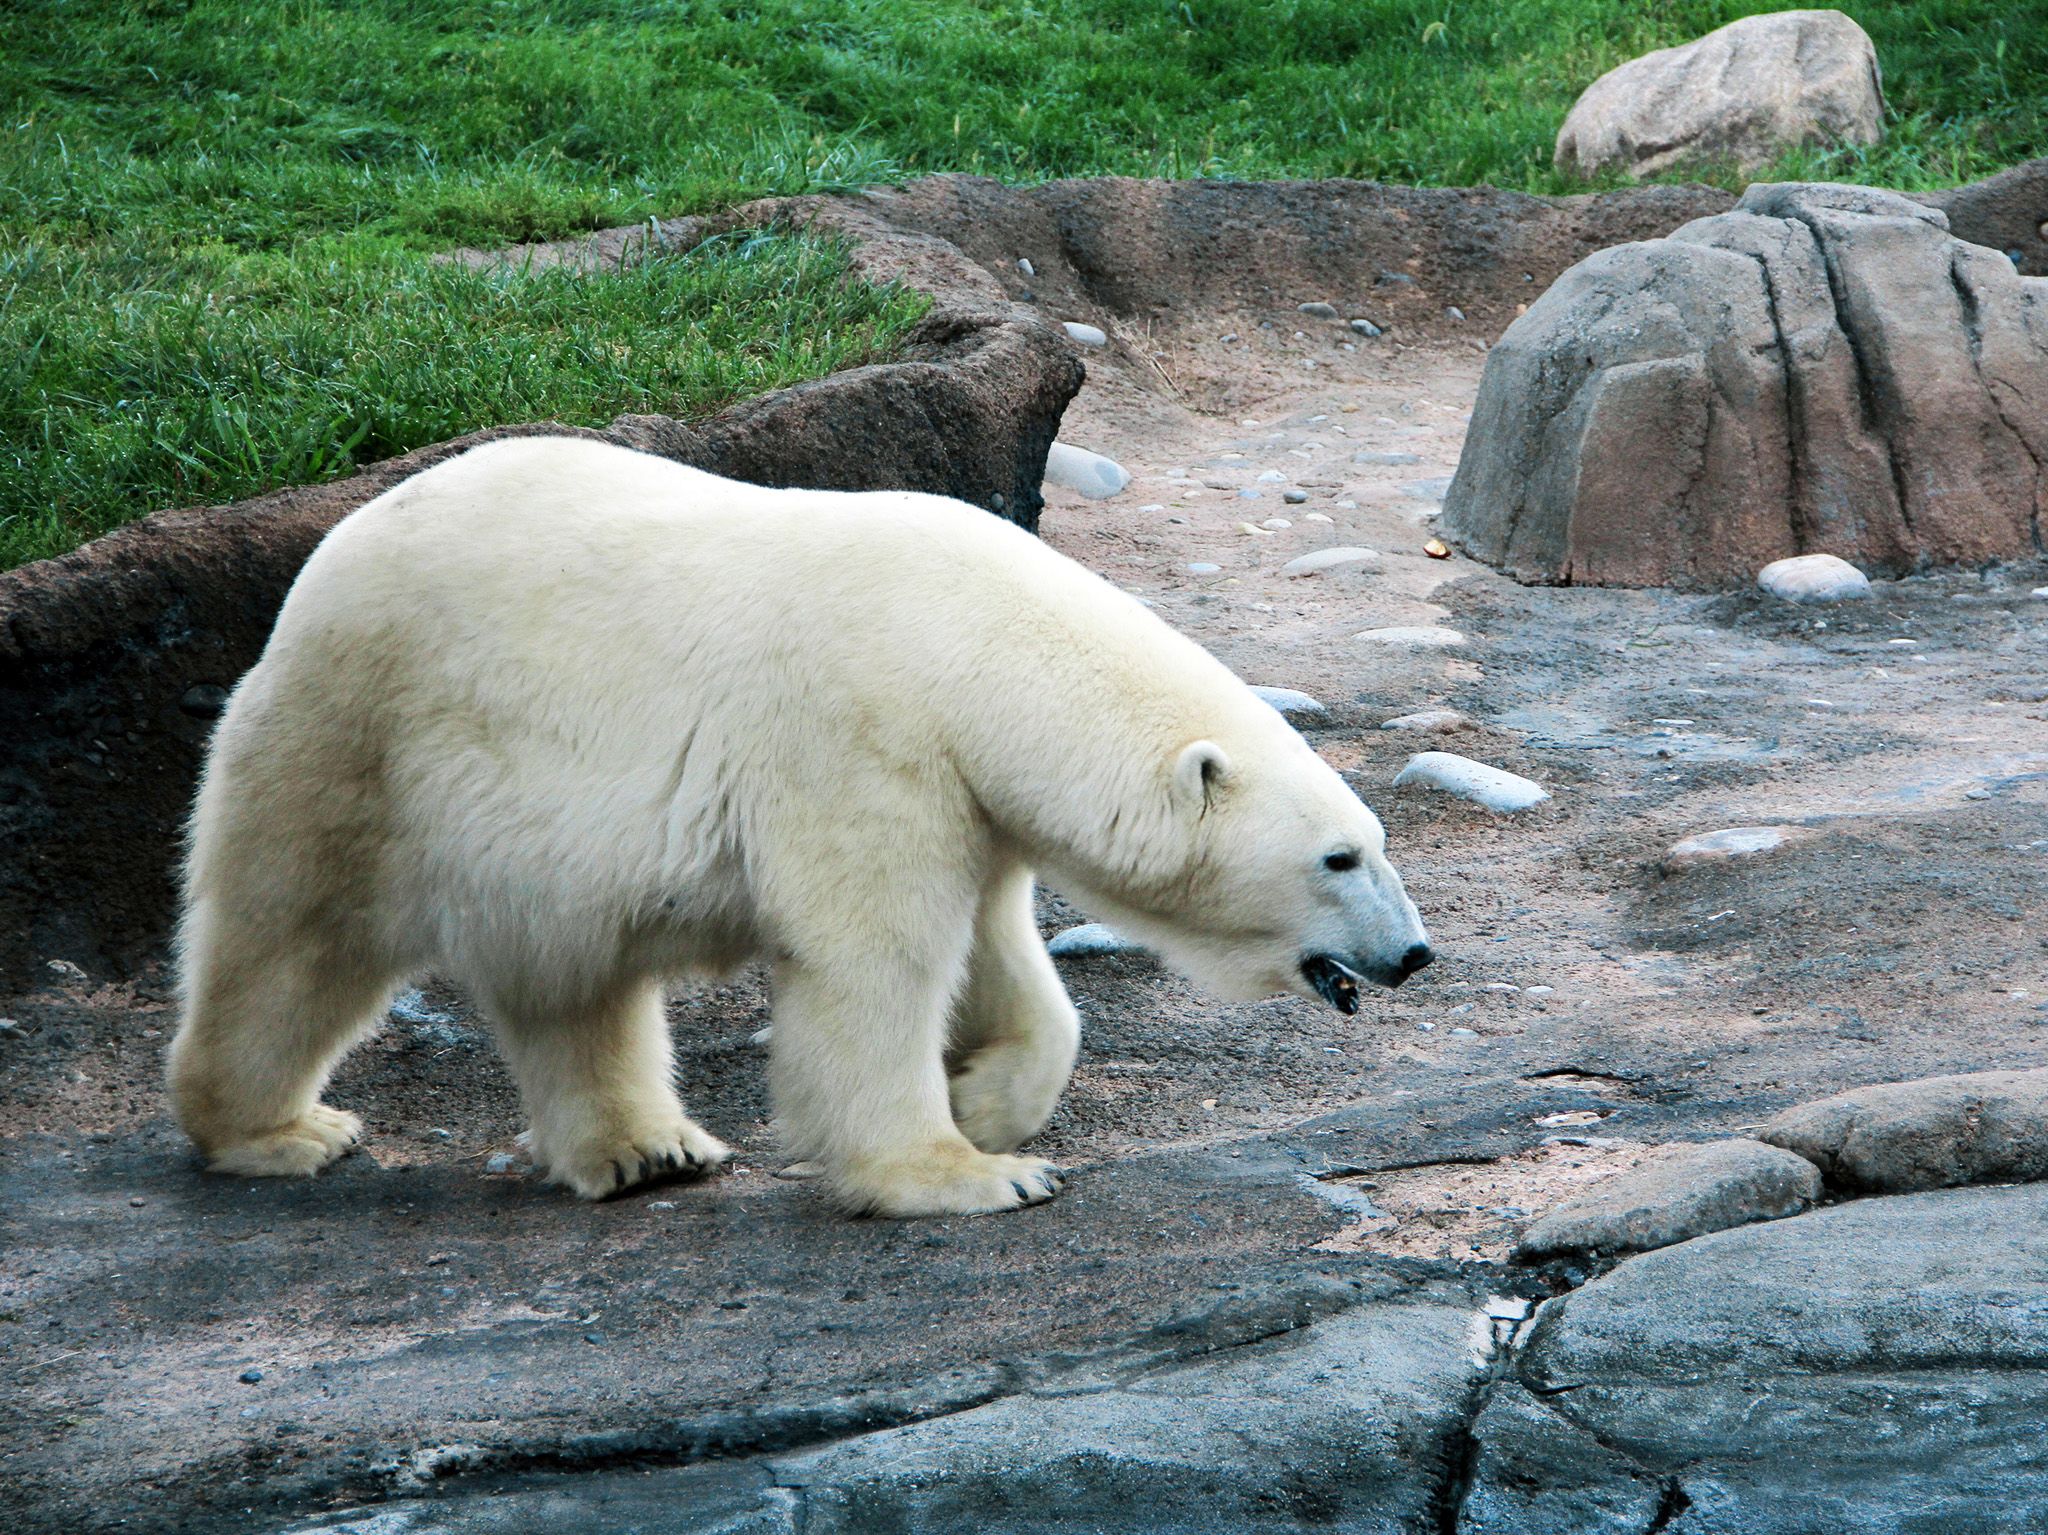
x=1581, y=992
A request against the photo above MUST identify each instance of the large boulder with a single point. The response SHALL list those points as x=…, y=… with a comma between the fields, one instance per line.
x=1981, y=1127
x=1742, y=94
x=1821, y=369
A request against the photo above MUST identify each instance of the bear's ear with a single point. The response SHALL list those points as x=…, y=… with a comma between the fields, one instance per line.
x=1200, y=767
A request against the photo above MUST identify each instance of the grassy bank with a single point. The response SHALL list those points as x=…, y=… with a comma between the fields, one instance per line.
x=216, y=216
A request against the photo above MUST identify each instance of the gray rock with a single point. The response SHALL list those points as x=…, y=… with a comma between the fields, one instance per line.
x=1874, y=1367
x=1341, y=1426
x=1424, y=719
x=1983, y=1127
x=1203, y=567
x=1271, y=477
x=1703, y=1188
x=1823, y=367
x=1483, y=784
x=1085, y=335
x=1090, y=938
x=1744, y=93
x=500, y=1163
x=1319, y=310
x=1366, y=327
x=1294, y=497
x=1327, y=559
x=1290, y=701
x=1731, y=842
x=1089, y=473
x=1813, y=578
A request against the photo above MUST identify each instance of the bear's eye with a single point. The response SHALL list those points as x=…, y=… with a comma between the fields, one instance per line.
x=1341, y=863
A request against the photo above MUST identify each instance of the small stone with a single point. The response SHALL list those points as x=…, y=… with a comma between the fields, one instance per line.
x=1413, y=637
x=1202, y=568
x=250, y=1377
x=1538, y=991
x=997, y=501
x=65, y=971
x=1387, y=460
x=9, y=1029
x=1294, y=497
x=1317, y=517
x=204, y=700
x=1248, y=494
x=1813, y=578
x=798, y=1172
x=1703, y=1188
x=1276, y=524
x=437, y=1134
x=1437, y=549
x=1086, y=335
x=1495, y=788
x=1271, y=477
x=1424, y=719
x=1730, y=843
x=1289, y=701
x=761, y=1036
x=1365, y=327
x=1455, y=313
x=661, y=1204
x=1327, y=559
x=137, y=1202
x=2039, y=593
x=1319, y=310
x=1899, y=1137
x=1024, y=266
x=501, y=1162
x=1090, y=938
x=1091, y=474
x=1153, y=506
x=1466, y=1033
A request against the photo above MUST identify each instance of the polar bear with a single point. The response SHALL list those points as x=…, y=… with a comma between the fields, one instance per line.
x=561, y=720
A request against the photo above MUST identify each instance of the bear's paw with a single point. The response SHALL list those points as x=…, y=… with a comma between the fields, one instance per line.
x=293, y=1150
x=946, y=1179
x=607, y=1165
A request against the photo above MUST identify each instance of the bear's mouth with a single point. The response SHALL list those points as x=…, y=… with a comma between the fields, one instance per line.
x=1336, y=982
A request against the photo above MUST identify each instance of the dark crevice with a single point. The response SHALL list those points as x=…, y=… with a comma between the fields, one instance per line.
x=1874, y=412
x=1973, y=328
x=1799, y=490
x=1674, y=1503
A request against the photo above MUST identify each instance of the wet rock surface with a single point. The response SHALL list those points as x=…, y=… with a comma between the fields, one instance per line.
x=1894, y=1137
x=1741, y=94
x=1823, y=369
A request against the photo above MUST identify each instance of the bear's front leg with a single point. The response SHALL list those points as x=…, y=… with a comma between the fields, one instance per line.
x=857, y=1063
x=1015, y=1033
x=597, y=1081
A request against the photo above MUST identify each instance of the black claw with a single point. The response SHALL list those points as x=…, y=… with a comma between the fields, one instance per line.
x=668, y=1160
x=618, y=1176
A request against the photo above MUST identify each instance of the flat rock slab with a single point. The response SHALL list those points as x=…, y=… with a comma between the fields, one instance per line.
x=1709, y=1187
x=1291, y=702
x=1480, y=782
x=1878, y=1366
x=1983, y=1127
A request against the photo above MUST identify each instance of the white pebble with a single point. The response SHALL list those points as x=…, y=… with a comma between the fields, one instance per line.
x=1495, y=788
x=1289, y=701
x=1365, y=327
x=1153, y=506
x=1413, y=636
x=1024, y=266
x=1317, y=517
x=1813, y=578
x=1319, y=310
x=1424, y=719
x=2040, y=592
x=797, y=1172
x=1271, y=477
x=1276, y=524
x=1327, y=559
x=1089, y=938
x=1086, y=335
x=1091, y=474
x=1202, y=568
x=1254, y=529
x=1731, y=842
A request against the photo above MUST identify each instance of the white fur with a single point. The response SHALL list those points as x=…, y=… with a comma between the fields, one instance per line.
x=560, y=720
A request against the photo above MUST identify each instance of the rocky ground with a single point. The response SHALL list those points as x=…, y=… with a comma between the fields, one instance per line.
x=1279, y=1292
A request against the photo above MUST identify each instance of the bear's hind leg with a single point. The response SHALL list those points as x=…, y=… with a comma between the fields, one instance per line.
x=1015, y=1033
x=264, y=1022
x=597, y=1081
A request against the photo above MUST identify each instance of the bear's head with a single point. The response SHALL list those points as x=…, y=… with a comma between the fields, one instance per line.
x=1282, y=881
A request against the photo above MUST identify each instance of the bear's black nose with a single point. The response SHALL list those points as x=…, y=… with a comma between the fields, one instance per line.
x=1416, y=957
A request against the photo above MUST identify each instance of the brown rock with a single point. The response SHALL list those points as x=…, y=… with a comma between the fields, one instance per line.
x=1897, y=1137
x=1822, y=369
x=1743, y=94
x=1703, y=1188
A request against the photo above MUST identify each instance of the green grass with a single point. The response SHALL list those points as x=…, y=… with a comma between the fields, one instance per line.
x=220, y=213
